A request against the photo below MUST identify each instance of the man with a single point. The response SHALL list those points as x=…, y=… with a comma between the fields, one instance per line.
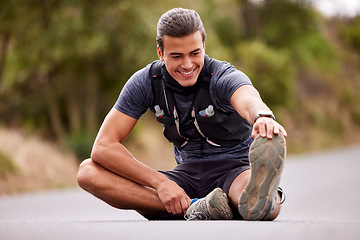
x=211, y=112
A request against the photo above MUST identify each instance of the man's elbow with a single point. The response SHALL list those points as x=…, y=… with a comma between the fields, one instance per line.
x=97, y=154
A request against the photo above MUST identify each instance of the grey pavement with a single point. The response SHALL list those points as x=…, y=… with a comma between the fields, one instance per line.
x=322, y=202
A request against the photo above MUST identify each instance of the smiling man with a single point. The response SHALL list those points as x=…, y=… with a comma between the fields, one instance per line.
x=211, y=113
x=183, y=57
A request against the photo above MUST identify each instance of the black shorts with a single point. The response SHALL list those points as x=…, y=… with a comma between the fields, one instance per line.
x=200, y=178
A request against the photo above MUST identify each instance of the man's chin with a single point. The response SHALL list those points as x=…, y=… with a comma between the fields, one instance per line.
x=187, y=83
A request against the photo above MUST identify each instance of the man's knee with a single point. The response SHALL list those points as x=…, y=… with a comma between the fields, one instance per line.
x=87, y=174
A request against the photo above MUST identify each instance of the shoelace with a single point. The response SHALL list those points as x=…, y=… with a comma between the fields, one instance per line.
x=196, y=216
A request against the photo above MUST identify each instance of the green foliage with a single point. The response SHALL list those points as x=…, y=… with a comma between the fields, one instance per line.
x=355, y=114
x=275, y=40
x=76, y=55
x=350, y=32
x=225, y=27
x=63, y=63
x=80, y=143
x=7, y=166
x=283, y=22
x=269, y=71
x=292, y=25
x=348, y=97
x=228, y=34
x=314, y=48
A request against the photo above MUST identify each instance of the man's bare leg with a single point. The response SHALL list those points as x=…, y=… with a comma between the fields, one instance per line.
x=238, y=186
x=117, y=191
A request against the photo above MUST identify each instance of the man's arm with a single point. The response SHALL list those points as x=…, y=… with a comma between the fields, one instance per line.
x=247, y=102
x=109, y=152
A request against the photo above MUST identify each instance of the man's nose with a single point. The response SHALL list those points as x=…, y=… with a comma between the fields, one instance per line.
x=186, y=64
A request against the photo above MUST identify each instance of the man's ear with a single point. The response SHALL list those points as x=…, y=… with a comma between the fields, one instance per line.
x=160, y=54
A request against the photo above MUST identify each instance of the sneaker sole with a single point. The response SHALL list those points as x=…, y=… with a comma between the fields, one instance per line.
x=219, y=204
x=266, y=157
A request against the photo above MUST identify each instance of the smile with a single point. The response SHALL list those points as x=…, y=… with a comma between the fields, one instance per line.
x=188, y=73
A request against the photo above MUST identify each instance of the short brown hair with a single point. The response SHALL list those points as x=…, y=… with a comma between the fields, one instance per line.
x=178, y=22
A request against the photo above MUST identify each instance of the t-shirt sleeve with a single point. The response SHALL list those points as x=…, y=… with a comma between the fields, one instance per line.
x=135, y=97
x=226, y=80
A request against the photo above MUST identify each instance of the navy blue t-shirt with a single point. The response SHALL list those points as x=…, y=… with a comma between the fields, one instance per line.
x=136, y=97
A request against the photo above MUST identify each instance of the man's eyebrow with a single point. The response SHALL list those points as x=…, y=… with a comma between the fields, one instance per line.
x=175, y=53
x=196, y=50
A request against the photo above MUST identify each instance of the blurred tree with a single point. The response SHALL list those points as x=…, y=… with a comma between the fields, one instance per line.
x=269, y=70
x=272, y=40
x=6, y=16
x=64, y=59
x=63, y=63
x=350, y=32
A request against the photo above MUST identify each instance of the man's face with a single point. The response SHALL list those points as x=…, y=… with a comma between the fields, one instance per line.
x=183, y=57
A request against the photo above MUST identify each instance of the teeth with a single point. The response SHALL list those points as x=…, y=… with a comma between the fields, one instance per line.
x=187, y=73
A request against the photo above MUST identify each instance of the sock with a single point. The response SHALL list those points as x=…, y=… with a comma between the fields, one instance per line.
x=194, y=200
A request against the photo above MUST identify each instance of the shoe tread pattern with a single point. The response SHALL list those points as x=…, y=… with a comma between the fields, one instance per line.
x=266, y=159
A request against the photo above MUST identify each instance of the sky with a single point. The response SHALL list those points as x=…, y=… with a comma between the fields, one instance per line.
x=331, y=8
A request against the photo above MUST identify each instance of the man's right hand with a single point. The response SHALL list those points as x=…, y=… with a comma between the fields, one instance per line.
x=174, y=198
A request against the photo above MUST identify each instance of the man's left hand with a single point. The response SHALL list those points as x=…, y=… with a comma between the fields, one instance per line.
x=267, y=127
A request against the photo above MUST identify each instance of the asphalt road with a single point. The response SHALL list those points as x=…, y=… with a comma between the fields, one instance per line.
x=322, y=203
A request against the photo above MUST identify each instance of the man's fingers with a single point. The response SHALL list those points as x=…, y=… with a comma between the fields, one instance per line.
x=178, y=209
x=255, y=132
x=276, y=129
x=185, y=205
x=262, y=129
x=174, y=198
x=269, y=131
x=168, y=208
x=267, y=127
x=283, y=131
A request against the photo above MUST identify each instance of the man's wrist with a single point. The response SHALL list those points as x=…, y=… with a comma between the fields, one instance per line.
x=268, y=114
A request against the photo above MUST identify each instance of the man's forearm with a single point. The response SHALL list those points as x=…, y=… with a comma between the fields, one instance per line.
x=116, y=158
x=247, y=102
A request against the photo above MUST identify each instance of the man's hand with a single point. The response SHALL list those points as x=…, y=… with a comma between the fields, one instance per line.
x=267, y=127
x=247, y=102
x=174, y=198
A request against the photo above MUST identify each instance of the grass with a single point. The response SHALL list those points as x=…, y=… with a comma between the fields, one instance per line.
x=7, y=166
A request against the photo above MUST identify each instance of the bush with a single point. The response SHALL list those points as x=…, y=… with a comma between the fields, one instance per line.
x=356, y=115
x=350, y=33
x=7, y=166
x=80, y=144
x=270, y=72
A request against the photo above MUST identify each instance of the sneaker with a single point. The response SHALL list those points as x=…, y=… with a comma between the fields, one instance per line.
x=266, y=157
x=214, y=206
x=281, y=195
